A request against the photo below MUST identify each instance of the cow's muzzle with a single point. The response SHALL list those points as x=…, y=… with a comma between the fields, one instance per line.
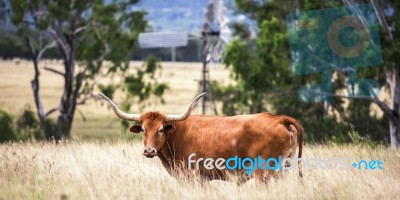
x=150, y=152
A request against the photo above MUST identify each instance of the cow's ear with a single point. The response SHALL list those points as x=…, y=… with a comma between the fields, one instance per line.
x=136, y=128
x=168, y=128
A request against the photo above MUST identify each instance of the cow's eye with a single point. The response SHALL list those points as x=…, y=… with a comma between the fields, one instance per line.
x=161, y=130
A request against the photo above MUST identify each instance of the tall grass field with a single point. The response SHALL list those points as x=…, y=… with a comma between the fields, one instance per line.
x=101, y=170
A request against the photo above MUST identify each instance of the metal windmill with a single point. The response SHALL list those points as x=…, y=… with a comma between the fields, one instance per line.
x=215, y=35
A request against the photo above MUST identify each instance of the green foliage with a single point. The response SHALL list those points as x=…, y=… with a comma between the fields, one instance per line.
x=366, y=124
x=391, y=45
x=326, y=129
x=159, y=89
x=239, y=58
x=235, y=102
x=144, y=84
x=107, y=90
x=142, y=87
x=111, y=37
x=48, y=130
x=85, y=32
x=356, y=138
x=241, y=30
x=265, y=82
x=25, y=127
x=29, y=127
x=7, y=131
x=258, y=70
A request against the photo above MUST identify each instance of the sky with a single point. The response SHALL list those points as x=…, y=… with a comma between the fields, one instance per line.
x=178, y=15
x=182, y=15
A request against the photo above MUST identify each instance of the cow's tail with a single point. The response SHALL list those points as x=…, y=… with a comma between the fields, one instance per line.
x=299, y=130
x=300, y=139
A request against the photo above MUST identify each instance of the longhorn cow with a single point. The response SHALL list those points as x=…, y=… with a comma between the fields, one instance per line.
x=174, y=138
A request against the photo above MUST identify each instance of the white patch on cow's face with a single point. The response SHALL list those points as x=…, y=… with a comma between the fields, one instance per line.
x=161, y=130
x=143, y=129
x=233, y=142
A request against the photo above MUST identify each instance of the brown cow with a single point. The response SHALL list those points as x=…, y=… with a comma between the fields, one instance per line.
x=174, y=138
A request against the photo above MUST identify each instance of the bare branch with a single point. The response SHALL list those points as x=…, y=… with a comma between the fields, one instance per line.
x=44, y=49
x=54, y=71
x=385, y=108
x=80, y=29
x=381, y=18
x=79, y=79
x=31, y=49
x=106, y=47
x=81, y=114
x=60, y=42
x=51, y=111
x=360, y=15
x=39, y=14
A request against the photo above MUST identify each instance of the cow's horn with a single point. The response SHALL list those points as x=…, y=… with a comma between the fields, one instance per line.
x=186, y=114
x=118, y=112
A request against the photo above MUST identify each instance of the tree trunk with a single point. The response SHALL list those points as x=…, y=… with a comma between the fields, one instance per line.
x=394, y=134
x=72, y=85
x=64, y=123
x=35, y=81
x=393, y=78
x=64, y=119
x=35, y=88
x=68, y=100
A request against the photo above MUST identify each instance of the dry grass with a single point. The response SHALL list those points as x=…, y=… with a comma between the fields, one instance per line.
x=81, y=170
